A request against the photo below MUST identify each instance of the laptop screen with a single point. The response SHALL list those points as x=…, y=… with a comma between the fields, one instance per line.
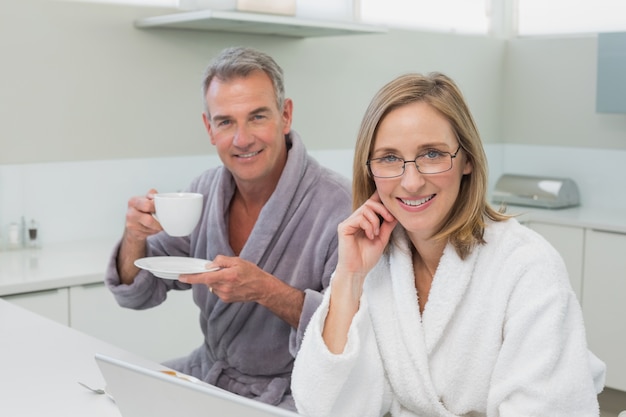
x=141, y=392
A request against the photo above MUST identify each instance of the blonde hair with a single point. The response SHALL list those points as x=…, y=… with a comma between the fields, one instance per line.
x=465, y=224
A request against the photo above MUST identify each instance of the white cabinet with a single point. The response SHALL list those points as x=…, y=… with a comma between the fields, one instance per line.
x=164, y=332
x=569, y=241
x=52, y=304
x=604, y=301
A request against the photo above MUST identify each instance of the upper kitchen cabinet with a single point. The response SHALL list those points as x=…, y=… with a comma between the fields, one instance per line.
x=256, y=23
x=611, y=81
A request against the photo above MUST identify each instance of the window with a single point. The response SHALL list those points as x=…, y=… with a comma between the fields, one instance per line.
x=463, y=16
x=545, y=17
x=529, y=17
x=152, y=3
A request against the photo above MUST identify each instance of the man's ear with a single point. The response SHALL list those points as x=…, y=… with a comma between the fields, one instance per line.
x=207, y=126
x=287, y=115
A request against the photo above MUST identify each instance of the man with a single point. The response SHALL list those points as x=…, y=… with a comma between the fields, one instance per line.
x=269, y=223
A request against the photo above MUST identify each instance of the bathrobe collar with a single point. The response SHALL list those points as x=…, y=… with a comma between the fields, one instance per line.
x=394, y=310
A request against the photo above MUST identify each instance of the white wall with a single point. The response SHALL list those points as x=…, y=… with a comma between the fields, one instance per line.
x=75, y=201
x=550, y=95
x=79, y=82
x=599, y=173
x=94, y=111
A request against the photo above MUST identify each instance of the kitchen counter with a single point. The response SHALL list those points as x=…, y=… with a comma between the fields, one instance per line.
x=54, y=266
x=609, y=220
x=42, y=362
x=65, y=282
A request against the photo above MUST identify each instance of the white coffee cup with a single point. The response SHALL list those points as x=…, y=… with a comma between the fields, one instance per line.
x=178, y=213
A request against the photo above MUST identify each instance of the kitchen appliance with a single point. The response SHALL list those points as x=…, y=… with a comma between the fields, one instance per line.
x=536, y=191
x=143, y=391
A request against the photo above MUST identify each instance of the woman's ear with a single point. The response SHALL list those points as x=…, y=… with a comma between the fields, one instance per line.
x=468, y=168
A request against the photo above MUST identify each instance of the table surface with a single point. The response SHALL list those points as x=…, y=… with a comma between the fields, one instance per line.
x=41, y=363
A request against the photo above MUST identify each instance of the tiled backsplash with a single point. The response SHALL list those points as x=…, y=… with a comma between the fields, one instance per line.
x=87, y=200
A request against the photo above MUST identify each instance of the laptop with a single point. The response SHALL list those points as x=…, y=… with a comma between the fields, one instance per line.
x=141, y=392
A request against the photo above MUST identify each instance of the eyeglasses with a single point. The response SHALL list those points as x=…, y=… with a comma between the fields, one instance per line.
x=431, y=162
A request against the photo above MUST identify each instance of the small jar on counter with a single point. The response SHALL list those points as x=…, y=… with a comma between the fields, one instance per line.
x=33, y=238
x=13, y=236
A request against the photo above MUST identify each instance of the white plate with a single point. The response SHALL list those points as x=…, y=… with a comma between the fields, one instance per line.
x=170, y=267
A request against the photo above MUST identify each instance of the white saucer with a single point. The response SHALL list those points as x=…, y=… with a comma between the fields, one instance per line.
x=170, y=267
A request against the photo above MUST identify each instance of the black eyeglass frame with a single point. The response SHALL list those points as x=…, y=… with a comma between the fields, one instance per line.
x=452, y=156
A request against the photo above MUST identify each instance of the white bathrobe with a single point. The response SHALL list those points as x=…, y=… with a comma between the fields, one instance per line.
x=501, y=335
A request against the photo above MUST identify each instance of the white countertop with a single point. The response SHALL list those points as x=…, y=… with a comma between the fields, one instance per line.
x=610, y=220
x=42, y=362
x=54, y=266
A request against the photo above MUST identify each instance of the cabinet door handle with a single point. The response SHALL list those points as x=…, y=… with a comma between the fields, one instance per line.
x=613, y=232
x=93, y=284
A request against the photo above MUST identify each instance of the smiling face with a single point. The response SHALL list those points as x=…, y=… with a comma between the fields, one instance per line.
x=248, y=129
x=420, y=202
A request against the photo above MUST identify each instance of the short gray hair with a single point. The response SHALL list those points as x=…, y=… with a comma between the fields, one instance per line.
x=238, y=62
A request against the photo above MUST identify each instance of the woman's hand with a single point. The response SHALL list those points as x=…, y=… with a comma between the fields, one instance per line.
x=362, y=240
x=363, y=237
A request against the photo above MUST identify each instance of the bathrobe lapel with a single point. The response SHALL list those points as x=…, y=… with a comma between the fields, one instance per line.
x=277, y=212
x=447, y=291
x=266, y=243
x=267, y=235
x=406, y=339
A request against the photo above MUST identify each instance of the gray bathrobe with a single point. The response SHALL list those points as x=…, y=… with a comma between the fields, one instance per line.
x=247, y=349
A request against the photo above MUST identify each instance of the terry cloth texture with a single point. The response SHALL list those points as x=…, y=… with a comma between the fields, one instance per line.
x=501, y=335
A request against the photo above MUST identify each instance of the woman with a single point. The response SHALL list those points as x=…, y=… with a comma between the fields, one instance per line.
x=440, y=305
